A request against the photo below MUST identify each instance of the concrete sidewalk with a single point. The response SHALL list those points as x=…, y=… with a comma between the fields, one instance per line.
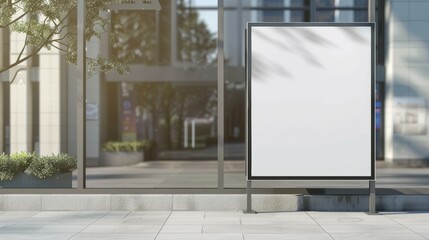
x=230, y=225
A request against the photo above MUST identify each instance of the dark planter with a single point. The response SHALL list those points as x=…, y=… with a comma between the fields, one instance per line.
x=25, y=180
x=120, y=158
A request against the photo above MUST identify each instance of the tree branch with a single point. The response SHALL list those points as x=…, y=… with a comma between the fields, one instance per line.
x=63, y=50
x=25, y=43
x=15, y=20
x=48, y=39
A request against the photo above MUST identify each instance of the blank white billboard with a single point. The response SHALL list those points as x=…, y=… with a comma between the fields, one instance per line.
x=310, y=95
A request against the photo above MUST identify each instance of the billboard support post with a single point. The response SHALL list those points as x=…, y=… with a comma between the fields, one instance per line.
x=372, y=201
x=249, y=197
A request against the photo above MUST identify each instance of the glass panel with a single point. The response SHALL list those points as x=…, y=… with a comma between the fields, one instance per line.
x=159, y=121
x=379, y=121
x=325, y=16
x=203, y=3
x=342, y=16
x=325, y=3
x=361, y=16
x=235, y=86
x=37, y=115
x=265, y=3
x=341, y=3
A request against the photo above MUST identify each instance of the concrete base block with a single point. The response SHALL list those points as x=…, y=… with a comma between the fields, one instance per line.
x=18, y=202
x=390, y=203
x=207, y=202
x=266, y=203
x=335, y=203
x=140, y=202
x=203, y=202
x=75, y=202
x=234, y=202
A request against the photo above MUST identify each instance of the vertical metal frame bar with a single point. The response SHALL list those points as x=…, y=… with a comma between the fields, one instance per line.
x=371, y=10
x=372, y=190
x=313, y=10
x=81, y=94
x=220, y=95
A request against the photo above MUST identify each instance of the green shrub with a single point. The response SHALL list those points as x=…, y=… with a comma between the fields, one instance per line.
x=12, y=165
x=134, y=146
x=47, y=166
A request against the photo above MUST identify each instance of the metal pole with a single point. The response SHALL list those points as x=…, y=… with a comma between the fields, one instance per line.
x=185, y=134
x=193, y=133
x=372, y=202
x=372, y=196
x=371, y=10
x=312, y=11
x=220, y=94
x=81, y=93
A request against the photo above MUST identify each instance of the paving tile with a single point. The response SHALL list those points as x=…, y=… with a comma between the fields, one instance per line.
x=201, y=221
x=32, y=236
x=273, y=221
x=128, y=229
x=365, y=228
x=15, y=217
x=419, y=228
x=34, y=228
x=222, y=228
x=199, y=237
x=222, y=236
x=95, y=236
x=264, y=229
x=382, y=236
x=181, y=229
x=355, y=220
x=11, y=220
x=78, y=218
x=287, y=236
x=224, y=214
x=407, y=218
x=277, y=215
x=131, y=221
x=150, y=213
x=187, y=214
x=71, y=213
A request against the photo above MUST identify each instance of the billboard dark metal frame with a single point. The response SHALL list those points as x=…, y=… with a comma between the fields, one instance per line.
x=250, y=26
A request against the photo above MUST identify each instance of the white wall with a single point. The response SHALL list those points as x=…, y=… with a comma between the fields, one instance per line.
x=50, y=101
x=20, y=99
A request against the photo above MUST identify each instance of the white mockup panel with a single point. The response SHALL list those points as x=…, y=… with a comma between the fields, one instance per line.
x=310, y=101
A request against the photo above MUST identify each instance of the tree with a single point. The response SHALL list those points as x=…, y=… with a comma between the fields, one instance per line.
x=52, y=24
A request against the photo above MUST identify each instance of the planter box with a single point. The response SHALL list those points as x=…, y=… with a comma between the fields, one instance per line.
x=25, y=180
x=120, y=158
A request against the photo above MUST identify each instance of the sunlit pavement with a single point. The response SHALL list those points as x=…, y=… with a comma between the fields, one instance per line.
x=191, y=225
x=204, y=174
